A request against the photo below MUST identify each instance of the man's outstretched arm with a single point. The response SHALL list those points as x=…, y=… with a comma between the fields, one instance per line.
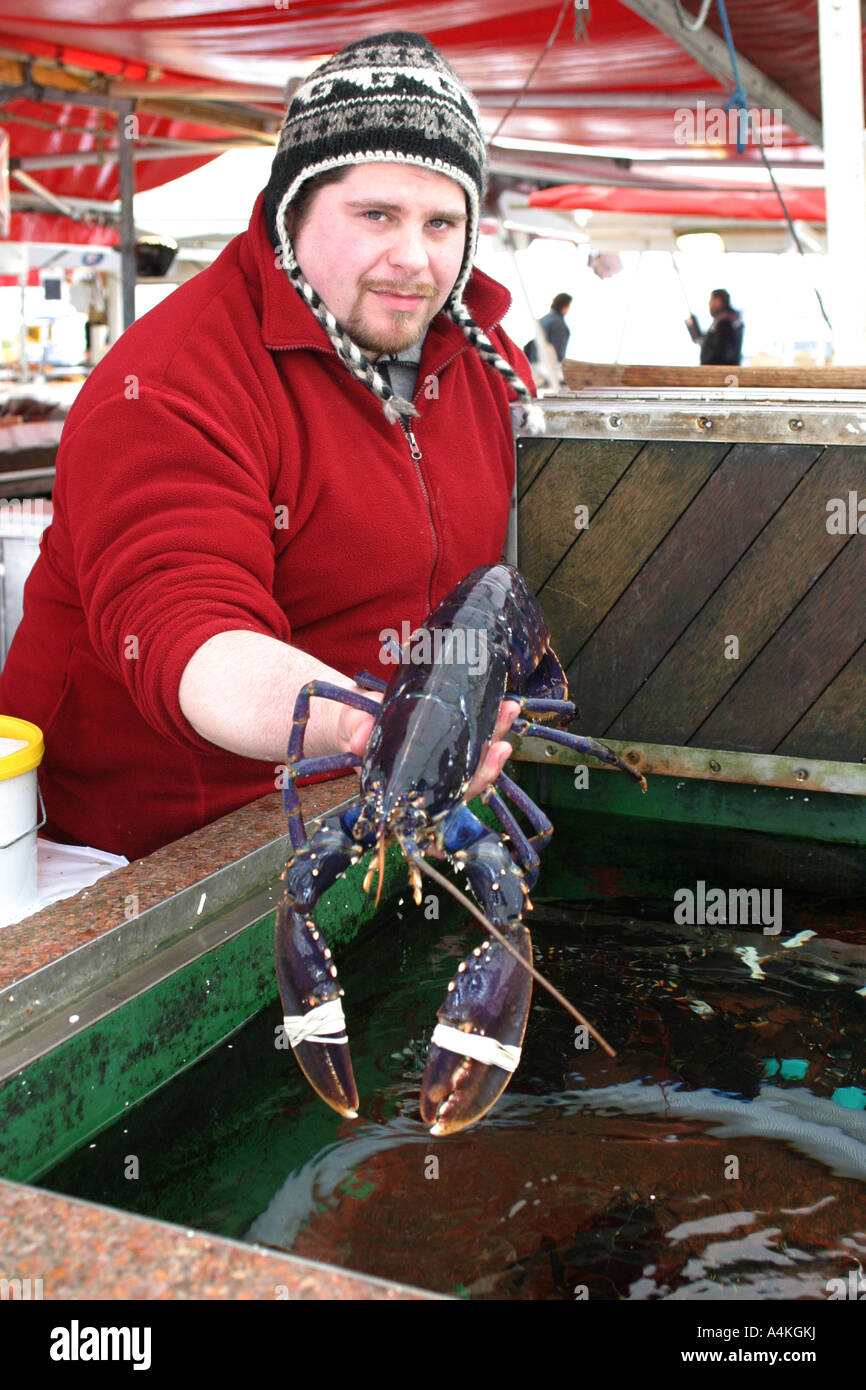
x=239, y=691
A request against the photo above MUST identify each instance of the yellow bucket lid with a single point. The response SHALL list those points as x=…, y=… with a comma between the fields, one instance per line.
x=24, y=759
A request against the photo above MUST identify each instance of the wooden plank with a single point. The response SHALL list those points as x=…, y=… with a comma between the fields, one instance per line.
x=581, y=376
x=835, y=726
x=747, y=487
x=780, y=567
x=633, y=520
x=580, y=472
x=532, y=455
x=813, y=644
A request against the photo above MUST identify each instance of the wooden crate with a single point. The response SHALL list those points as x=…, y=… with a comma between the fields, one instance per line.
x=709, y=601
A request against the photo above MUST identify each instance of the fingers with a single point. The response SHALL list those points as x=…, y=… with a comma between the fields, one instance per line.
x=354, y=726
x=489, y=768
x=497, y=753
x=360, y=734
x=508, y=712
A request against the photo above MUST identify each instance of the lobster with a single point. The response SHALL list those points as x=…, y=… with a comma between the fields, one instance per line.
x=487, y=640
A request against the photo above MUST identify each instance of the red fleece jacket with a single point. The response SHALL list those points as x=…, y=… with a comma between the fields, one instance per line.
x=223, y=470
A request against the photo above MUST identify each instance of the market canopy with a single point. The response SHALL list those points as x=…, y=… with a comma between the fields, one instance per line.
x=806, y=205
x=570, y=91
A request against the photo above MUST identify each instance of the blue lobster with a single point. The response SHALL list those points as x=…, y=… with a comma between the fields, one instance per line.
x=486, y=641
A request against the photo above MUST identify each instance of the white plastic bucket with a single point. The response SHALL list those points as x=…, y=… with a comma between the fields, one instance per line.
x=22, y=522
x=21, y=749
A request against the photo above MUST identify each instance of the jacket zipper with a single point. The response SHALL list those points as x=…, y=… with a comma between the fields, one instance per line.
x=414, y=453
x=416, y=456
x=414, y=448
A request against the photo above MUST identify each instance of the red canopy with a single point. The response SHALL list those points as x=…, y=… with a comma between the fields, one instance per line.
x=633, y=76
x=807, y=205
x=47, y=226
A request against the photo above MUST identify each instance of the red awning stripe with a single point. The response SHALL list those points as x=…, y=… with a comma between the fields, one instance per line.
x=804, y=204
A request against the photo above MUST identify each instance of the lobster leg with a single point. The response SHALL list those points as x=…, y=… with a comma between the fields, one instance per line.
x=524, y=853
x=297, y=766
x=581, y=743
x=526, y=848
x=545, y=694
x=309, y=984
x=366, y=681
x=476, y=1045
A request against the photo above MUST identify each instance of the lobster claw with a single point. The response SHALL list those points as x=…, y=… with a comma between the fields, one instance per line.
x=312, y=1008
x=477, y=1043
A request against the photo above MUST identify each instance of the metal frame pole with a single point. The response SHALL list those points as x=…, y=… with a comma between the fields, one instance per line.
x=126, y=169
x=839, y=31
x=23, y=371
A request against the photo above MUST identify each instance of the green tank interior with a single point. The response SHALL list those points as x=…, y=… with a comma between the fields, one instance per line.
x=618, y=845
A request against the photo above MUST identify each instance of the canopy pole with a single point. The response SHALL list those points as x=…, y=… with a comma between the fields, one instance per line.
x=22, y=337
x=547, y=361
x=126, y=168
x=841, y=44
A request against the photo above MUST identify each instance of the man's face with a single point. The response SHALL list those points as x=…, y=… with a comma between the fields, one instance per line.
x=383, y=248
x=717, y=304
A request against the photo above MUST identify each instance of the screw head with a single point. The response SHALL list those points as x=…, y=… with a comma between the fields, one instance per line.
x=802, y=774
x=614, y=421
x=795, y=424
x=715, y=766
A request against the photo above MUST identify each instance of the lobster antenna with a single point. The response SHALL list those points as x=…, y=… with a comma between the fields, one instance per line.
x=377, y=865
x=497, y=935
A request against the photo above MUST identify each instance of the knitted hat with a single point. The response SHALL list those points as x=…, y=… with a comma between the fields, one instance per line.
x=389, y=98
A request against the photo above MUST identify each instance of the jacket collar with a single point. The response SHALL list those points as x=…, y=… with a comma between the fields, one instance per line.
x=287, y=322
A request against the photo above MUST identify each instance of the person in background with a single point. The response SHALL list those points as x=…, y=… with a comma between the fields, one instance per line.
x=557, y=333
x=722, y=344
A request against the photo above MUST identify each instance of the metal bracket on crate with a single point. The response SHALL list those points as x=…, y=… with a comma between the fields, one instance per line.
x=711, y=765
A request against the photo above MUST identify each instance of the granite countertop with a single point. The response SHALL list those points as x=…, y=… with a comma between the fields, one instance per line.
x=60, y=928
x=83, y=1251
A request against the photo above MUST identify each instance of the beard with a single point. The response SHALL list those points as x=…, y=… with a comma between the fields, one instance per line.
x=404, y=328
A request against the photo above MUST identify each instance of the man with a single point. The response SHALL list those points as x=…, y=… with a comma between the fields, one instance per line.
x=723, y=341
x=554, y=327
x=556, y=334
x=247, y=496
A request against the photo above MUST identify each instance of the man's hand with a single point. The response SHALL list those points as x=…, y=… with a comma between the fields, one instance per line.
x=354, y=730
x=354, y=726
x=497, y=752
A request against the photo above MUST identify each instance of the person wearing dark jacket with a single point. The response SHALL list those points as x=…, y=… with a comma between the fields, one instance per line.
x=308, y=443
x=554, y=328
x=722, y=344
